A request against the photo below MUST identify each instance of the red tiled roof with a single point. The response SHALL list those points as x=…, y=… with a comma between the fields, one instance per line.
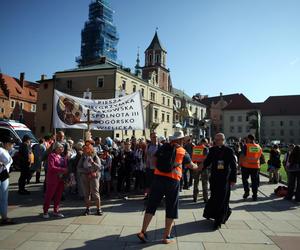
x=239, y=102
x=27, y=93
x=208, y=101
x=281, y=105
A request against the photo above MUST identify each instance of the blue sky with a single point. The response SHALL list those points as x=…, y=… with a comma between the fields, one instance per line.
x=229, y=46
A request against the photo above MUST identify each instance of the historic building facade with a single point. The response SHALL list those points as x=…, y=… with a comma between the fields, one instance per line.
x=18, y=99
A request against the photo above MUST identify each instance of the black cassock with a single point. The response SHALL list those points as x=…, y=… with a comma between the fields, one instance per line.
x=223, y=164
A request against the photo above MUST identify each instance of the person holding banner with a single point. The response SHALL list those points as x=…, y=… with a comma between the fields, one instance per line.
x=198, y=156
x=88, y=168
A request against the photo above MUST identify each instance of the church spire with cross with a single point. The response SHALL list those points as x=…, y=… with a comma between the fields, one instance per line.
x=155, y=60
x=138, y=71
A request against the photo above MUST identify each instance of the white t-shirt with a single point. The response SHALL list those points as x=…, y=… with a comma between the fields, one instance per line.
x=5, y=159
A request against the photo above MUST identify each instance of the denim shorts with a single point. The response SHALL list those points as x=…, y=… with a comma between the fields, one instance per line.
x=164, y=186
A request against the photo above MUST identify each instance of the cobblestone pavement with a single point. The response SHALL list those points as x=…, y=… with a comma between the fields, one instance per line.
x=269, y=223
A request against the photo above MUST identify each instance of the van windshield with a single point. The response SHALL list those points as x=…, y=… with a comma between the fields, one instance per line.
x=21, y=133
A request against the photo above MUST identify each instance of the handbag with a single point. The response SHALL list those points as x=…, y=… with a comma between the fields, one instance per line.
x=4, y=175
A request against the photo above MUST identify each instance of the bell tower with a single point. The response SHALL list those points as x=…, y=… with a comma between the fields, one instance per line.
x=155, y=61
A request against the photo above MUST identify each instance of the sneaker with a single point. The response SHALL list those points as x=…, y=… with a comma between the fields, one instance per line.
x=99, y=212
x=143, y=237
x=169, y=239
x=87, y=212
x=246, y=194
x=254, y=197
x=60, y=215
x=46, y=216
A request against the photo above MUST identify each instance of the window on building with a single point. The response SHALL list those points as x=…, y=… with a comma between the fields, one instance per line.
x=45, y=85
x=162, y=117
x=12, y=103
x=1, y=110
x=155, y=114
x=291, y=123
x=272, y=132
x=281, y=123
x=168, y=118
x=123, y=84
x=152, y=96
x=191, y=121
x=21, y=105
x=272, y=123
x=196, y=110
x=117, y=135
x=231, y=118
x=143, y=92
x=150, y=58
x=163, y=100
x=42, y=129
x=240, y=129
x=44, y=106
x=240, y=118
x=157, y=58
x=100, y=82
x=231, y=129
x=134, y=88
x=176, y=117
x=202, y=112
x=33, y=108
x=168, y=102
x=126, y=132
x=191, y=108
x=281, y=132
x=291, y=132
x=69, y=84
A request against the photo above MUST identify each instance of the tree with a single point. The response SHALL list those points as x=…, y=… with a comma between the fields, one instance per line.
x=254, y=122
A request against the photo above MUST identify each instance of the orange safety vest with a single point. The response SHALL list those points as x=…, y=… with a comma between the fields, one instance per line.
x=176, y=173
x=253, y=154
x=198, y=153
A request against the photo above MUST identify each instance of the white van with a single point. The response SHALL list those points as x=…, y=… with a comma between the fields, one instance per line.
x=16, y=130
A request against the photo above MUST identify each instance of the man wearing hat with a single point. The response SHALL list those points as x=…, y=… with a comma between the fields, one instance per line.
x=167, y=184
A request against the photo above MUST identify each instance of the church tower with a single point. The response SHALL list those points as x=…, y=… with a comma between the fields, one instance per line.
x=155, y=64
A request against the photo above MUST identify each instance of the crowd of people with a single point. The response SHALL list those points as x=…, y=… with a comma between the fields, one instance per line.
x=156, y=168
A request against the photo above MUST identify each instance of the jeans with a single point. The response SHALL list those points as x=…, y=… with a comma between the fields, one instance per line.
x=254, y=174
x=4, y=198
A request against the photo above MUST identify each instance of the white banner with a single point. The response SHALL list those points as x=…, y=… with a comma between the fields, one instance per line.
x=122, y=113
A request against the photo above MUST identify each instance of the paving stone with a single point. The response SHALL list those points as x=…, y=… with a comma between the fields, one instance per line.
x=198, y=232
x=241, y=215
x=295, y=223
x=236, y=224
x=279, y=226
x=16, y=239
x=244, y=236
x=283, y=215
x=59, y=237
x=255, y=224
x=88, y=220
x=123, y=219
x=71, y=228
x=4, y=233
x=286, y=242
x=38, y=245
x=56, y=221
x=190, y=245
x=228, y=246
x=43, y=228
x=94, y=232
x=92, y=245
x=157, y=245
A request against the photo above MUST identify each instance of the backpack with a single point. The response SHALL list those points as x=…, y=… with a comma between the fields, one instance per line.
x=165, y=158
x=281, y=191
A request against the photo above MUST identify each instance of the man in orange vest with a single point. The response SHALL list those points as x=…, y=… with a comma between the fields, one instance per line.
x=198, y=156
x=167, y=184
x=250, y=166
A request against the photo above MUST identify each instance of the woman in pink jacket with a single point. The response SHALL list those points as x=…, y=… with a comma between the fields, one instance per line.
x=57, y=170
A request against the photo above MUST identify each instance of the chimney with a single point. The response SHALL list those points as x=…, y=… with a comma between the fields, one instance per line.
x=43, y=77
x=22, y=78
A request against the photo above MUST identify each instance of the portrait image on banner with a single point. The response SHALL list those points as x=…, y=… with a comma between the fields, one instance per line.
x=121, y=113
